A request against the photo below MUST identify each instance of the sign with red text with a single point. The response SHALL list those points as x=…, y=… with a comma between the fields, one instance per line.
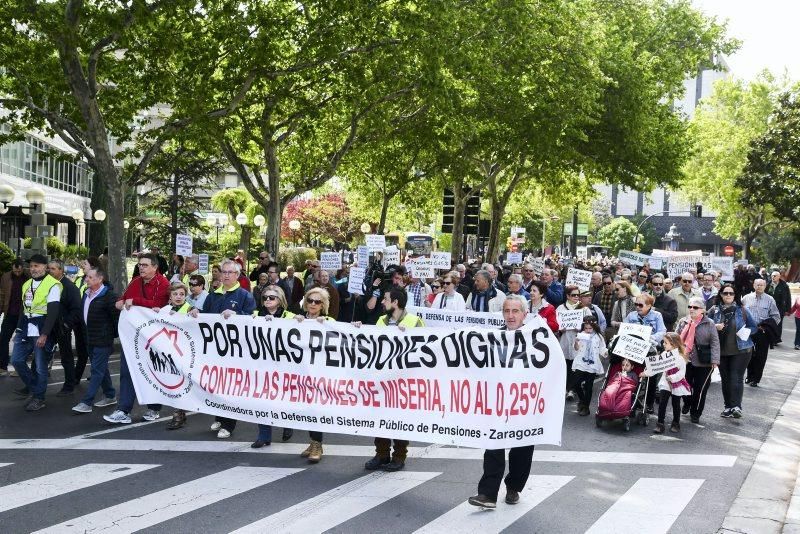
x=470, y=387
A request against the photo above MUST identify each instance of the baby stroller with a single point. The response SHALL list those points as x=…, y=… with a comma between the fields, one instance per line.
x=622, y=397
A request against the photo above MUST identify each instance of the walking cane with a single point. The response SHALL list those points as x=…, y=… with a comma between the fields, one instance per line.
x=703, y=388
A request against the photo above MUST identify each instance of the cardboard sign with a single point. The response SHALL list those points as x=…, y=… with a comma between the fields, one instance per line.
x=183, y=245
x=723, y=265
x=538, y=266
x=633, y=258
x=362, y=256
x=677, y=265
x=632, y=348
x=422, y=268
x=330, y=261
x=202, y=263
x=441, y=260
x=514, y=258
x=571, y=319
x=577, y=277
x=656, y=263
x=641, y=330
x=580, y=252
x=658, y=363
x=391, y=256
x=356, y=280
x=376, y=242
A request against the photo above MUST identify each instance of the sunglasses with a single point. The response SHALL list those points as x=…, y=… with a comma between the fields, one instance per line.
x=313, y=301
x=727, y=293
x=270, y=297
x=436, y=287
x=528, y=270
x=447, y=283
x=657, y=284
x=192, y=284
x=639, y=305
x=686, y=281
x=575, y=295
x=694, y=307
x=608, y=283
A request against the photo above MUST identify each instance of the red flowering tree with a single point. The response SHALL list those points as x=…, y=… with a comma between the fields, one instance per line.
x=326, y=218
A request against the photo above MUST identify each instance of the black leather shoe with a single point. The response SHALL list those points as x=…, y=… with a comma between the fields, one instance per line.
x=512, y=497
x=257, y=444
x=376, y=463
x=686, y=408
x=287, y=434
x=394, y=465
x=482, y=501
x=695, y=419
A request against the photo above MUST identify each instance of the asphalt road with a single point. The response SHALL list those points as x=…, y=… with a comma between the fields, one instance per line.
x=75, y=473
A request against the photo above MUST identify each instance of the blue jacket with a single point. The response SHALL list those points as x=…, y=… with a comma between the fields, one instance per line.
x=654, y=320
x=715, y=314
x=555, y=294
x=239, y=300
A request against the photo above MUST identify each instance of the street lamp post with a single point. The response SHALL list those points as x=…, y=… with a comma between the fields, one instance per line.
x=7, y=195
x=77, y=215
x=218, y=222
x=294, y=226
x=260, y=221
x=38, y=230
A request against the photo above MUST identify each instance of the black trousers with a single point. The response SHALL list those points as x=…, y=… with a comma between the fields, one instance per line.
x=82, y=353
x=583, y=383
x=662, y=407
x=6, y=333
x=67, y=356
x=227, y=424
x=731, y=369
x=755, y=369
x=652, y=390
x=699, y=379
x=494, y=465
x=570, y=377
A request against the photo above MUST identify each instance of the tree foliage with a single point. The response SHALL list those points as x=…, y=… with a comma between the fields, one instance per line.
x=323, y=219
x=619, y=234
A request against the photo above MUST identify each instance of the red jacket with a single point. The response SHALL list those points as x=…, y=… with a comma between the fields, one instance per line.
x=153, y=294
x=548, y=313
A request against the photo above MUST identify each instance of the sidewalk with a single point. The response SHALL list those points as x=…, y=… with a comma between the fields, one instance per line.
x=769, y=500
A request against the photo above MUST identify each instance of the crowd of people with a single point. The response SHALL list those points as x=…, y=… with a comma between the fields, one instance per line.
x=699, y=320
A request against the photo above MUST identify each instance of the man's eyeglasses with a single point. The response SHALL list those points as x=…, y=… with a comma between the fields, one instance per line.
x=313, y=301
x=228, y=272
x=145, y=265
x=194, y=284
x=686, y=281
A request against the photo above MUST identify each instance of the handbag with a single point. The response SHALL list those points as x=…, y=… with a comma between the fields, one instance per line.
x=703, y=353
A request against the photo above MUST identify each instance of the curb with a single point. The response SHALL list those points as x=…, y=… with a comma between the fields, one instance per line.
x=769, y=500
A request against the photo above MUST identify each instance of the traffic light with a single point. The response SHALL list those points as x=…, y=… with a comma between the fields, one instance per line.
x=448, y=209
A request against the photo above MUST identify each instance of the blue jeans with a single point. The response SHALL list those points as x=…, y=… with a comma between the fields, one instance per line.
x=100, y=376
x=24, y=346
x=264, y=433
x=126, y=392
x=796, y=332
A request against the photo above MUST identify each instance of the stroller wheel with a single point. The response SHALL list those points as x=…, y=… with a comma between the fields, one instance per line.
x=626, y=424
x=598, y=421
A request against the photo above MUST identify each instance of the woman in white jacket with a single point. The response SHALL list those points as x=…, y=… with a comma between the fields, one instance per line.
x=449, y=299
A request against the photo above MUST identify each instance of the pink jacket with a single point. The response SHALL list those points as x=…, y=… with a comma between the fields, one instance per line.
x=795, y=309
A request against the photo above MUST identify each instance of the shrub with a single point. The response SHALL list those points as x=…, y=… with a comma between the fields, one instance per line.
x=296, y=257
x=7, y=257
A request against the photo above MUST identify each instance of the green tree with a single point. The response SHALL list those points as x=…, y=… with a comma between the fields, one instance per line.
x=722, y=130
x=619, y=234
x=235, y=201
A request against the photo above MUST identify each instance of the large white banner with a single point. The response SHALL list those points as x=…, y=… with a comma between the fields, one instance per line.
x=471, y=387
x=633, y=258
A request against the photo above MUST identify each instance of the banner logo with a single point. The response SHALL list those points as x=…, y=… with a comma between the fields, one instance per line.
x=167, y=359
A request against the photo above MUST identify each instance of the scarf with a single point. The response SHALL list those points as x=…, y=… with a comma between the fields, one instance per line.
x=480, y=300
x=571, y=306
x=687, y=334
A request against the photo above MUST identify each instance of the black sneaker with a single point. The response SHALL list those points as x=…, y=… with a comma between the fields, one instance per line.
x=22, y=392
x=512, y=497
x=695, y=419
x=394, y=465
x=753, y=384
x=686, y=408
x=727, y=413
x=35, y=405
x=287, y=434
x=376, y=463
x=482, y=501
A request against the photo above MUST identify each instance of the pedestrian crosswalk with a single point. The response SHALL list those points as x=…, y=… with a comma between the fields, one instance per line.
x=649, y=505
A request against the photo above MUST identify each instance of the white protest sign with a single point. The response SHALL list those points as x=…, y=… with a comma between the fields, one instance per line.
x=570, y=319
x=677, y=265
x=422, y=268
x=376, y=242
x=513, y=258
x=356, y=280
x=580, y=253
x=577, y=277
x=391, y=256
x=723, y=265
x=633, y=258
x=671, y=253
x=330, y=261
x=441, y=260
x=452, y=387
x=658, y=363
x=453, y=319
x=656, y=263
x=202, y=263
x=538, y=266
x=183, y=245
x=362, y=256
x=641, y=330
x=632, y=348
x=742, y=262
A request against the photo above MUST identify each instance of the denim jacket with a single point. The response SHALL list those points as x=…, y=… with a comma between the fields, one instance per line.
x=715, y=314
x=654, y=320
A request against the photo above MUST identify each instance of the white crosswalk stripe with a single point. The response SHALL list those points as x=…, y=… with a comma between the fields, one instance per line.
x=466, y=518
x=160, y=506
x=55, y=484
x=334, y=507
x=3, y=465
x=651, y=506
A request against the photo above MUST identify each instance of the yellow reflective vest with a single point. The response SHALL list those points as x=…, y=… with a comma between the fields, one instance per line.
x=38, y=305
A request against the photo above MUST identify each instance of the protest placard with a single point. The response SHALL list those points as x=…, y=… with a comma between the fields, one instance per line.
x=538, y=266
x=330, y=261
x=362, y=256
x=441, y=260
x=202, y=265
x=376, y=242
x=656, y=263
x=633, y=258
x=443, y=386
x=514, y=258
x=421, y=268
x=577, y=277
x=183, y=244
x=632, y=348
x=356, y=280
x=391, y=256
x=570, y=319
x=658, y=363
x=642, y=330
x=723, y=265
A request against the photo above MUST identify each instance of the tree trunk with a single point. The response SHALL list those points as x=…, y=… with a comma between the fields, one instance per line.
x=493, y=249
x=274, y=209
x=173, y=210
x=748, y=242
x=384, y=213
x=459, y=209
x=244, y=240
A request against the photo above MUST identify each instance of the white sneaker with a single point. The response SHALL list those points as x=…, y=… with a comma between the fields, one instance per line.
x=106, y=401
x=223, y=434
x=118, y=417
x=82, y=407
x=151, y=415
x=216, y=425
